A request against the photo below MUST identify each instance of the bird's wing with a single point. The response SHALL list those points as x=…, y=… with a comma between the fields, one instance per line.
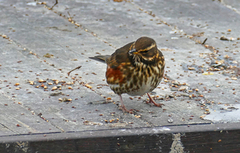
x=115, y=64
x=119, y=57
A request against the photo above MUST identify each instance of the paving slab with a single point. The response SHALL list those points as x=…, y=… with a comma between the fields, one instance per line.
x=39, y=46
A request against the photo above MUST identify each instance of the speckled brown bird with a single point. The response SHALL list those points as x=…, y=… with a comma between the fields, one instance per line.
x=136, y=68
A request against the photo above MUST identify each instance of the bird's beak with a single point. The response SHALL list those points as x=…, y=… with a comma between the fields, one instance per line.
x=133, y=51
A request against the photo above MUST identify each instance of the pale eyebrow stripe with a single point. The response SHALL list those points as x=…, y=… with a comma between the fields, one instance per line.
x=150, y=47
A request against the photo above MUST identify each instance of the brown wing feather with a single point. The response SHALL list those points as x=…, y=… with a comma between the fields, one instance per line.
x=116, y=62
x=119, y=56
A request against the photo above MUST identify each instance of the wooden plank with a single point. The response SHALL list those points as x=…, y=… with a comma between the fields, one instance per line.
x=193, y=138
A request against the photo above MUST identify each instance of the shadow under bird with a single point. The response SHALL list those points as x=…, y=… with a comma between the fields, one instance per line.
x=136, y=68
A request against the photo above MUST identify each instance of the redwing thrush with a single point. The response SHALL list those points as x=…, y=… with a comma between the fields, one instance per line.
x=136, y=68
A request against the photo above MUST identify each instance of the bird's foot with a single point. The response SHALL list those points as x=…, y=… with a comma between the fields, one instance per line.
x=153, y=102
x=125, y=110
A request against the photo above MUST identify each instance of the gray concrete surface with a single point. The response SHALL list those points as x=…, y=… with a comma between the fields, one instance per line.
x=38, y=47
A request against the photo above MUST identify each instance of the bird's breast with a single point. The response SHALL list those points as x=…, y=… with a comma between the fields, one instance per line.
x=145, y=79
x=134, y=80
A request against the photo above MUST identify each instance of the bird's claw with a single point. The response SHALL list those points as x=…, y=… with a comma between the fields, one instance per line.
x=153, y=102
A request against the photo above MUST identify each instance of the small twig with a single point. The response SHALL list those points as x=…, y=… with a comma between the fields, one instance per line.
x=54, y=5
x=74, y=70
x=204, y=41
x=69, y=14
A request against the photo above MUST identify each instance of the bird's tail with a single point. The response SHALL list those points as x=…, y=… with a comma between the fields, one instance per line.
x=101, y=58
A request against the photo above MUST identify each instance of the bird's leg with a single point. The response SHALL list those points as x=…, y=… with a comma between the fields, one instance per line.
x=152, y=101
x=123, y=106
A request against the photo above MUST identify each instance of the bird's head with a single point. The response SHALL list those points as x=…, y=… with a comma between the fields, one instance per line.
x=144, y=50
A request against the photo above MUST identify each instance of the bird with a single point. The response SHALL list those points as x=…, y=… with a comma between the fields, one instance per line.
x=135, y=69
